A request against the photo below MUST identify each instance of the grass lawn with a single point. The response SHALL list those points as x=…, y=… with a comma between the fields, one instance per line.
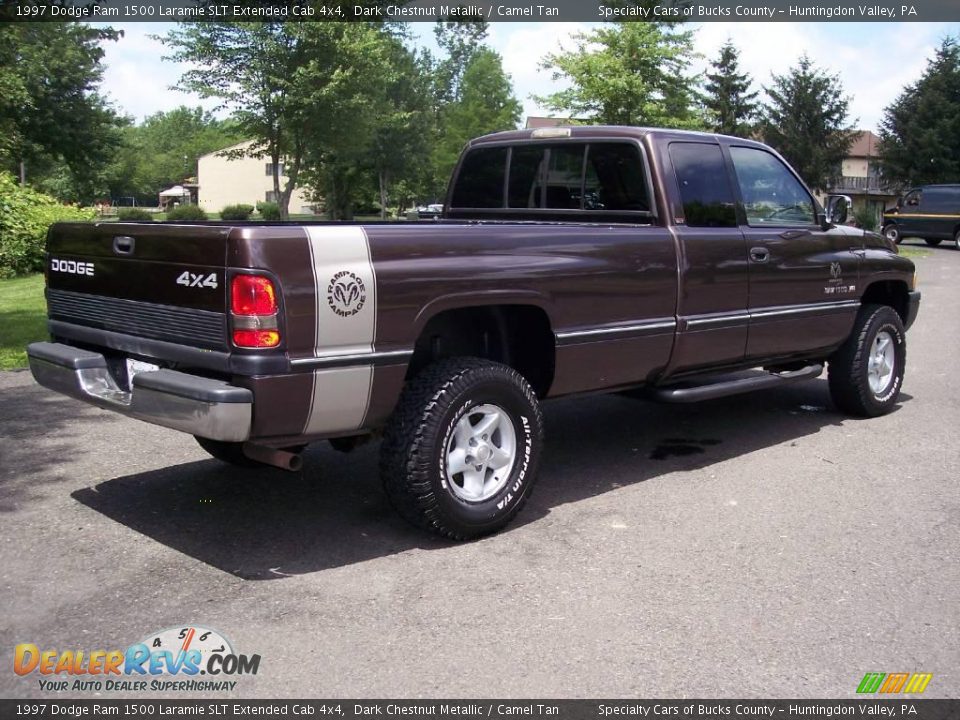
x=23, y=319
x=912, y=251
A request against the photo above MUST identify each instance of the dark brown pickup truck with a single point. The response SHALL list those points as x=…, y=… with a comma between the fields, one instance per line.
x=568, y=260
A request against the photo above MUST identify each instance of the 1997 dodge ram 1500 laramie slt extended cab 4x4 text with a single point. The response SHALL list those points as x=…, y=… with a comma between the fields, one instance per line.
x=567, y=260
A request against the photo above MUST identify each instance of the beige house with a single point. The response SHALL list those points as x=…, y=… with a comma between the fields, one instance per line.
x=228, y=181
x=860, y=176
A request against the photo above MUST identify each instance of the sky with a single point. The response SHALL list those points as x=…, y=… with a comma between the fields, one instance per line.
x=873, y=60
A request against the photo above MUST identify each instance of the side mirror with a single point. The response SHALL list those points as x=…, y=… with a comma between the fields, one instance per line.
x=838, y=207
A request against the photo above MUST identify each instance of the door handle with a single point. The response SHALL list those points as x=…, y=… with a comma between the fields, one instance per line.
x=759, y=254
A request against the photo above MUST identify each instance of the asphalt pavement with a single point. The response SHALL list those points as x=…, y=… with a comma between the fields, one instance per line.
x=757, y=546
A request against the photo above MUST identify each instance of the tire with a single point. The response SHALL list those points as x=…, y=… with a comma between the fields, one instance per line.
x=956, y=240
x=232, y=452
x=439, y=421
x=892, y=233
x=932, y=242
x=859, y=384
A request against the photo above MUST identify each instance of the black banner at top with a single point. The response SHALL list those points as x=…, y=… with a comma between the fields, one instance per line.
x=496, y=11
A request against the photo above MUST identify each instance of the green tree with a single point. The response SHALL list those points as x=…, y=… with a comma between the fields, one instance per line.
x=633, y=73
x=920, y=130
x=460, y=40
x=250, y=68
x=52, y=117
x=400, y=147
x=303, y=92
x=163, y=151
x=485, y=103
x=729, y=100
x=353, y=94
x=806, y=120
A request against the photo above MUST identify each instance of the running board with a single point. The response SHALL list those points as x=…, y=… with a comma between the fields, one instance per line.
x=724, y=387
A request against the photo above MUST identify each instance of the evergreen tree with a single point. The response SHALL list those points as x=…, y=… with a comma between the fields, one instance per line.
x=920, y=130
x=729, y=98
x=806, y=120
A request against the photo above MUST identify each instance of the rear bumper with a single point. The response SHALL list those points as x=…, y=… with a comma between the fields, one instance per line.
x=913, y=307
x=196, y=405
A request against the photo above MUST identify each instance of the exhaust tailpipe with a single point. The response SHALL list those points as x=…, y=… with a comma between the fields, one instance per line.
x=274, y=457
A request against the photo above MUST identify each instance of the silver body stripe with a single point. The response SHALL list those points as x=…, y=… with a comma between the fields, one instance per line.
x=341, y=396
x=707, y=320
x=635, y=328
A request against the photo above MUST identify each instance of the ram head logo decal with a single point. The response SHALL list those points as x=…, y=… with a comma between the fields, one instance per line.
x=346, y=293
x=835, y=270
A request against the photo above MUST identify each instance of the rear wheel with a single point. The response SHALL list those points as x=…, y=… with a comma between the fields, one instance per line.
x=232, y=452
x=866, y=373
x=956, y=240
x=892, y=233
x=460, y=454
x=932, y=241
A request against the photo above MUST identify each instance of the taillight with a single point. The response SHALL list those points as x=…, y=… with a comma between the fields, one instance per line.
x=253, y=305
x=252, y=295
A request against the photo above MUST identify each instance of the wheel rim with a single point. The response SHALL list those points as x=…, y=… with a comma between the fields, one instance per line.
x=882, y=363
x=893, y=234
x=481, y=453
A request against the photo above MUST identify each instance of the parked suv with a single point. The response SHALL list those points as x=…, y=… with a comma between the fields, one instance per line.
x=931, y=212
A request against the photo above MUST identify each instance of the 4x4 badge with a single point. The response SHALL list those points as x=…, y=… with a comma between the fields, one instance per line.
x=346, y=293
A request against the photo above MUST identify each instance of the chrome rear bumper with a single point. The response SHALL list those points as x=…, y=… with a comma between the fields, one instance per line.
x=197, y=405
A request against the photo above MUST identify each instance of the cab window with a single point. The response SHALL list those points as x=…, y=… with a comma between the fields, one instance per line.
x=480, y=180
x=704, y=185
x=599, y=177
x=772, y=195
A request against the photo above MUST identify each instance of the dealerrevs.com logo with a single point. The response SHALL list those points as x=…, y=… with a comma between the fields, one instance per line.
x=182, y=659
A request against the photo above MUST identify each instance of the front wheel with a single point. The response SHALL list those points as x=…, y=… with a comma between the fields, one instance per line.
x=460, y=453
x=892, y=233
x=866, y=373
x=932, y=242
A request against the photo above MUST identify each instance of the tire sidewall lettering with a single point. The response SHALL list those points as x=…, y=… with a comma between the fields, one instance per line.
x=515, y=488
x=899, y=341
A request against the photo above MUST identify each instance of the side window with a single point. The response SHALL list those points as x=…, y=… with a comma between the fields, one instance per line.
x=704, y=185
x=912, y=200
x=565, y=176
x=480, y=180
x=526, y=176
x=614, y=178
x=771, y=194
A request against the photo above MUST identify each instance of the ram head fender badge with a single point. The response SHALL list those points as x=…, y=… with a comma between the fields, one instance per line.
x=346, y=293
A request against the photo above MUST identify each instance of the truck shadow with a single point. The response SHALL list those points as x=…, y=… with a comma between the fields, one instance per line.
x=31, y=464
x=266, y=524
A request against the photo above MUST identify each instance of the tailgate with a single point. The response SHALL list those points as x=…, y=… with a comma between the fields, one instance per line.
x=156, y=281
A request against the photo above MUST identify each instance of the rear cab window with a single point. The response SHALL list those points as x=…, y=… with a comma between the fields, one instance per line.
x=589, y=181
x=704, y=184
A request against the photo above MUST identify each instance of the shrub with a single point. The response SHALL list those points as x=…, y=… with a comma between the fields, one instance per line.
x=236, y=212
x=25, y=216
x=866, y=218
x=134, y=214
x=188, y=213
x=268, y=210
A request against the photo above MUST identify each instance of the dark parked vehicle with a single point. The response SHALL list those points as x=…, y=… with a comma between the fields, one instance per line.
x=931, y=212
x=682, y=265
